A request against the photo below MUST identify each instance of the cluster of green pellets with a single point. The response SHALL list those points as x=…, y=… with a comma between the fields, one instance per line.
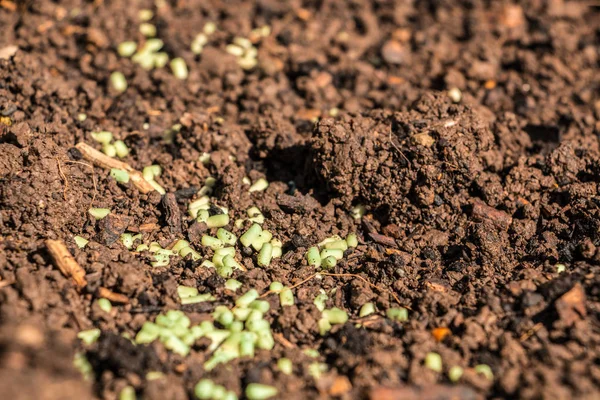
x=327, y=253
x=206, y=389
x=118, y=148
x=262, y=241
x=174, y=330
x=244, y=330
x=241, y=330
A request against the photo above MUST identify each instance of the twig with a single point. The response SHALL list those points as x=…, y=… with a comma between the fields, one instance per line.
x=65, y=262
x=112, y=296
x=104, y=161
x=64, y=178
x=284, y=342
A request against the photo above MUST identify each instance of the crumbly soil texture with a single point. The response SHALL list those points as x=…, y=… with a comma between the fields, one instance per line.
x=467, y=132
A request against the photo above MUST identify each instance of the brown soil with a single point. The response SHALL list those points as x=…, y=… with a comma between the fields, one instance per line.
x=471, y=203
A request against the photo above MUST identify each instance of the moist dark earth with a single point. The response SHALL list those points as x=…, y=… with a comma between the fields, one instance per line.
x=467, y=129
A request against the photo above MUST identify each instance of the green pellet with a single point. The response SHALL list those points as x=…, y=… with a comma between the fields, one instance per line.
x=157, y=187
x=233, y=285
x=103, y=137
x=255, y=215
x=127, y=393
x=226, y=237
x=211, y=242
x=207, y=264
x=397, y=314
x=286, y=297
x=127, y=49
x=254, y=315
x=485, y=370
x=285, y=365
x=433, y=361
x=263, y=237
x=109, y=150
x=80, y=241
x=338, y=254
x=320, y=300
x=147, y=29
x=324, y=326
x=89, y=336
x=366, y=309
x=335, y=316
x=180, y=244
x=104, y=305
x=260, y=305
x=236, y=326
x=277, y=251
x=337, y=245
x=329, y=262
x=265, y=340
x=241, y=314
x=276, y=287
x=313, y=257
x=247, y=344
x=186, y=291
x=203, y=216
x=200, y=298
x=247, y=298
x=187, y=251
x=265, y=255
x=358, y=212
x=258, y=186
x=160, y=59
x=223, y=315
x=330, y=239
x=121, y=148
x=145, y=15
x=151, y=171
x=229, y=262
x=179, y=68
x=257, y=391
x=217, y=221
x=142, y=247
x=84, y=366
x=118, y=81
x=352, y=240
x=154, y=375
x=99, y=213
x=317, y=369
x=219, y=392
x=251, y=234
x=455, y=373
x=224, y=271
x=204, y=158
x=119, y=175
x=81, y=117
x=560, y=268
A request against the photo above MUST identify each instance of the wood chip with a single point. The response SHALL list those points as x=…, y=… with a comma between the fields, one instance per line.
x=65, y=262
x=571, y=305
x=172, y=212
x=7, y=52
x=104, y=161
x=112, y=296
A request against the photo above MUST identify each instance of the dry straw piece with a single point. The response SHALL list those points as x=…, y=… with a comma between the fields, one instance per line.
x=65, y=262
x=104, y=161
